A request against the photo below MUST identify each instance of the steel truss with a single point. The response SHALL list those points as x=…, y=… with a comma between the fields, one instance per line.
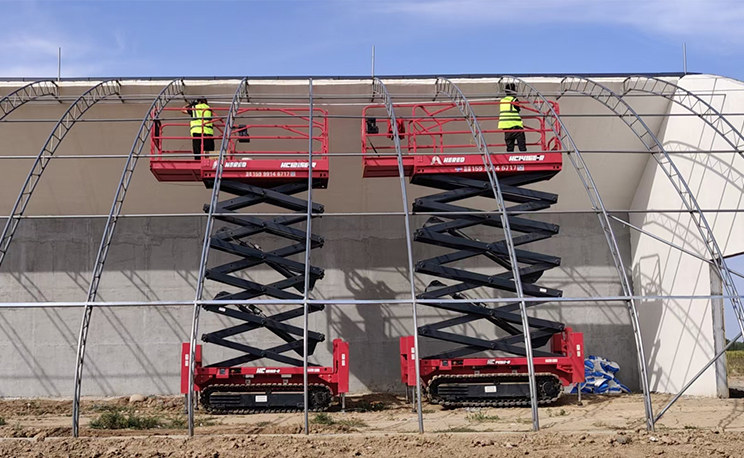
x=380, y=91
x=60, y=130
x=579, y=85
x=691, y=102
x=172, y=90
x=636, y=124
x=541, y=104
x=731, y=135
x=25, y=94
x=446, y=87
x=241, y=94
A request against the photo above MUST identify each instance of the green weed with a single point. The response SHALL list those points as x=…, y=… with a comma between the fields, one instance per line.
x=125, y=419
x=327, y=420
x=480, y=417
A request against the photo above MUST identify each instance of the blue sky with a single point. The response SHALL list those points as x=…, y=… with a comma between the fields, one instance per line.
x=334, y=37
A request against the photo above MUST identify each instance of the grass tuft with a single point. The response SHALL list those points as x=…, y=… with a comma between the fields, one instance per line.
x=323, y=418
x=113, y=417
x=480, y=417
x=735, y=362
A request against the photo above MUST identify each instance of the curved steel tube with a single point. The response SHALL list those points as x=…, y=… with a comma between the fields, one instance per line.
x=308, y=247
x=25, y=94
x=540, y=103
x=620, y=107
x=63, y=126
x=172, y=90
x=447, y=87
x=690, y=101
x=730, y=134
x=379, y=90
x=240, y=94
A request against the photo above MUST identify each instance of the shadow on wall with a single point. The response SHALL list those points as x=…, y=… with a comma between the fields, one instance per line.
x=678, y=331
x=138, y=349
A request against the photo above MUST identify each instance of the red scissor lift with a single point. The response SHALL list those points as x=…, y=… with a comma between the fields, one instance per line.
x=265, y=164
x=436, y=141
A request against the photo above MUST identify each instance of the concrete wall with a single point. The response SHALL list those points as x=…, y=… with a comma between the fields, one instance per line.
x=682, y=335
x=155, y=258
x=137, y=350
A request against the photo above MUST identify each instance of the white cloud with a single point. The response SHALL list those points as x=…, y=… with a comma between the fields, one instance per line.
x=713, y=22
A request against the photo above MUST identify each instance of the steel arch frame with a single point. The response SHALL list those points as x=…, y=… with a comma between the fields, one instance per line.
x=447, y=87
x=25, y=94
x=241, y=93
x=540, y=103
x=690, y=101
x=76, y=111
x=379, y=90
x=715, y=120
x=169, y=92
x=599, y=92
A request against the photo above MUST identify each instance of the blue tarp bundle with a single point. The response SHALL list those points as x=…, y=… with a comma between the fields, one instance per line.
x=601, y=377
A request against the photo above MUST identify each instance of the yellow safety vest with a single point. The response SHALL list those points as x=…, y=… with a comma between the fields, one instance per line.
x=201, y=120
x=508, y=114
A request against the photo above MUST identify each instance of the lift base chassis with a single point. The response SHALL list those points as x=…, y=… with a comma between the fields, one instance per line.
x=496, y=382
x=245, y=390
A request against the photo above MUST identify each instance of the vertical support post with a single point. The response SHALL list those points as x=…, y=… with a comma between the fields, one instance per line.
x=378, y=87
x=684, y=57
x=59, y=64
x=308, y=247
x=240, y=93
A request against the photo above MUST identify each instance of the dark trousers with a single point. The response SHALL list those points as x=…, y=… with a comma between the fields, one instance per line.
x=196, y=144
x=511, y=137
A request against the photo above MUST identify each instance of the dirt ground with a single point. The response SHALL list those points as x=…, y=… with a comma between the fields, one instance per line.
x=382, y=425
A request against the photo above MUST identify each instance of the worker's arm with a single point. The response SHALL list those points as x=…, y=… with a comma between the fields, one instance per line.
x=186, y=109
x=515, y=102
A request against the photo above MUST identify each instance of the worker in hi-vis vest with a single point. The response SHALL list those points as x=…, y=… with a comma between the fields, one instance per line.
x=510, y=121
x=202, y=129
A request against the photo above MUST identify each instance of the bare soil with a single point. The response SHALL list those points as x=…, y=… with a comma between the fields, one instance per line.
x=601, y=426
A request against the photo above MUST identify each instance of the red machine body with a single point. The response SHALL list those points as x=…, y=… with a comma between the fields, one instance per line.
x=171, y=156
x=436, y=139
x=569, y=368
x=265, y=163
x=335, y=377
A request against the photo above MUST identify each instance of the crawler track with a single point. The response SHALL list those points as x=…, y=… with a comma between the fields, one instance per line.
x=549, y=386
x=320, y=397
